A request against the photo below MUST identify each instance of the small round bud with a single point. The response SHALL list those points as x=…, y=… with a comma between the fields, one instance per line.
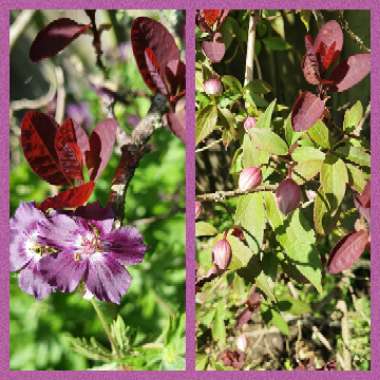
x=241, y=343
x=288, y=196
x=221, y=254
x=213, y=87
x=250, y=178
x=250, y=122
x=198, y=209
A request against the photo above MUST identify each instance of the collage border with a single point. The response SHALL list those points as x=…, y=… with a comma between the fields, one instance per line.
x=190, y=7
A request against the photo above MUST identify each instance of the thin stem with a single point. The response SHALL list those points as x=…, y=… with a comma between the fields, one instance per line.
x=105, y=326
x=250, y=61
x=209, y=145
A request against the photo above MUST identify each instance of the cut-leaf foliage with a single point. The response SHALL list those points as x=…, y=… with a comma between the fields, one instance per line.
x=307, y=109
x=102, y=141
x=38, y=132
x=55, y=37
x=153, y=47
x=350, y=72
x=347, y=251
x=71, y=198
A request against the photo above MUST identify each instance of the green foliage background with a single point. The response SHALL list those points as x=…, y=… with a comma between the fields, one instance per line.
x=154, y=306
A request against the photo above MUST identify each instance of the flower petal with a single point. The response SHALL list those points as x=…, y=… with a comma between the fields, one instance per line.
x=101, y=217
x=107, y=279
x=63, y=271
x=32, y=282
x=19, y=254
x=126, y=245
x=25, y=216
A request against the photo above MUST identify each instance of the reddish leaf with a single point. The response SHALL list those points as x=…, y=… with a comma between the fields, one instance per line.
x=102, y=141
x=215, y=49
x=211, y=16
x=363, y=202
x=329, y=43
x=147, y=33
x=175, y=75
x=71, y=198
x=177, y=120
x=155, y=71
x=38, y=133
x=55, y=37
x=307, y=109
x=350, y=72
x=310, y=65
x=347, y=251
x=68, y=151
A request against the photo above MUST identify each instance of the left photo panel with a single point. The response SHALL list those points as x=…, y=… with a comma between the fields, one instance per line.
x=97, y=189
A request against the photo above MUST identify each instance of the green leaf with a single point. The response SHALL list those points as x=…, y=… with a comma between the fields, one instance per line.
x=273, y=317
x=205, y=229
x=288, y=304
x=241, y=254
x=273, y=214
x=265, y=284
x=306, y=170
x=250, y=215
x=252, y=156
x=276, y=44
x=323, y=216
x=258, y=86
x=352, y=117
x=297, y=238
x=357, y=178
x=231, y=83
x=305, y=18
x=355, y=154
x=307, y=153
x=291, y=136
x=227, y=121
x=218, y=328
x=268, y=141
x=334, y=178
x=320, y=134
x=206, y=122
x=91, y=349
x=265, y=118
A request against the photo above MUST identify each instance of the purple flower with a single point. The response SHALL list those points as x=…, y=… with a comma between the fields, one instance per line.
x=89, y=250
x=80, y=113
x=27, y=249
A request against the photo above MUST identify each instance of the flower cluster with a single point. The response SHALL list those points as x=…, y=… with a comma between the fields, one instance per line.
x=57, y=252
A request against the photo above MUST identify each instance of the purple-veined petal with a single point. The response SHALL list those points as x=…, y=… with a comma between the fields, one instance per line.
x=25, y=215
x=101, y=217
x=107, y=279
x=63, y=270
x=32, y=282
x=20, y=255
x=126, y=245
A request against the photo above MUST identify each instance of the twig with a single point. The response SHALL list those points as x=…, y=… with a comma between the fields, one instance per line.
x=250, y=61
x=19, y=25
x=258, y=68
x=352, y=35
x=61, y=95
x=209, y=145
x=96, y=42
x=363, y=120
x=321, y=338
x=131, y=153
x=346, y=354
x=220, y=196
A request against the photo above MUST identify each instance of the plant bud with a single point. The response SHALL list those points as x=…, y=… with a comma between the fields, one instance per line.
x=241, y=343
x=250, y=178
x=288, y=196
x=250, y=122
x=213, y=87
x=198, y=209
x=221, y=254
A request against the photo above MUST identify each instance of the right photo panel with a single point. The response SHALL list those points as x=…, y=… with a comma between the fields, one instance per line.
x=283, y=194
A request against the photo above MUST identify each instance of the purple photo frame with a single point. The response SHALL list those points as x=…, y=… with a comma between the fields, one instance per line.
x=190, y=6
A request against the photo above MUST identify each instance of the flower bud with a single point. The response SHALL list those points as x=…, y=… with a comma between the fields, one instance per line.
x=288, y=196
x=221, y=254
x=250, y=122
x=198, y=209
x=213, y=87
x=241, y=343
x=250, y=178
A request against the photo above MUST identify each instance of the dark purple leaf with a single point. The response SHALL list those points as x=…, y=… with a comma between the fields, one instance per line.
x=102, y=141
x=214, y=50
x=350, y=72
x=38, y=133
x=329, y=43
x=150, y=34
x=310, y=64
x=307, y=109
x=177, y=120
x=155, y=71
x=55, y=37
x=175, y=74
x=347, y=251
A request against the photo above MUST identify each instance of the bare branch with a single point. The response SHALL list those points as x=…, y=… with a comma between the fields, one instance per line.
x=220, y=196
